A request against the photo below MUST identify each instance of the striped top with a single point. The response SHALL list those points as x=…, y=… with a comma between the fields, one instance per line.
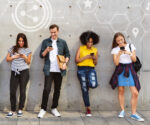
x=19, y=64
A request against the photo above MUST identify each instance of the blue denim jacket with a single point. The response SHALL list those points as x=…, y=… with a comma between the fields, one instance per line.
x=62, y=50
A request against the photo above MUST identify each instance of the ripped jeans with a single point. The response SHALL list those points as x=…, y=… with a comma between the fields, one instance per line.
x=82, y=74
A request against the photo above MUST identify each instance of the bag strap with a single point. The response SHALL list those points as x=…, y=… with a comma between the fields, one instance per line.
x=130, y=48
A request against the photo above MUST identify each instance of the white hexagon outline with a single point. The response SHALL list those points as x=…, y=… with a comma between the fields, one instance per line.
x=114, y=15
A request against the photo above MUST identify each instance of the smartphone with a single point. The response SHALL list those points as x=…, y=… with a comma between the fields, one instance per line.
x=50, y=46
x=21, y=54
x=92, y=54
x=122, y=48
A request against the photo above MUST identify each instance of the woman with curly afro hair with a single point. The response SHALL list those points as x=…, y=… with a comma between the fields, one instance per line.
x=86, y=59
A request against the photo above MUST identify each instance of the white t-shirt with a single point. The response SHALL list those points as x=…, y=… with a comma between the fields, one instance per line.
x=53, y=57
x=124, y=58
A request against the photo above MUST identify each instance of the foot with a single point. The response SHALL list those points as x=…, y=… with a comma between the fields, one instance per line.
x=19, y=114
x=88, y=112
x=121, y=114
x=10, y=114
x=55, y=112
x=41, y=113
x=137, y=117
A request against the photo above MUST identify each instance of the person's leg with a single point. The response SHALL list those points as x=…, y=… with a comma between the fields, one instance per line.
x=83, y=82
x=14, y=80
x=46, y=91
x=23, y=80
x=57, y=88
x=134, y=98
x=121, y=96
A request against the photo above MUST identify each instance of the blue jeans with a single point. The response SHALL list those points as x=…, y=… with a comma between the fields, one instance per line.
x=82, y=74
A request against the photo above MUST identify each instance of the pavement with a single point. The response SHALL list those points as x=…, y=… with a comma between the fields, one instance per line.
x=75, y=118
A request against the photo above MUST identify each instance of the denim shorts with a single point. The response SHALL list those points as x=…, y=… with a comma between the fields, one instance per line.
x=126, y=81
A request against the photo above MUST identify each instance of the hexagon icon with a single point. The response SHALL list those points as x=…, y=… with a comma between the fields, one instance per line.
x=106, y=11
x=145, y=49
x=135, y=14
x=135, y=32
x=119, y=23
x=146, y=23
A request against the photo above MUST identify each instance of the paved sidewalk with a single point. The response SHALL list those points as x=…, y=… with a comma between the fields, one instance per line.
x=75, y=118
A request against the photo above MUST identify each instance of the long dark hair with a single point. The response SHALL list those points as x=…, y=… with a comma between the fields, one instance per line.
x=114, y=43
x=17, y=46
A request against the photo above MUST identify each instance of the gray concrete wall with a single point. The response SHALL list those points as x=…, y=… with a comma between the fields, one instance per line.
x=105, y=17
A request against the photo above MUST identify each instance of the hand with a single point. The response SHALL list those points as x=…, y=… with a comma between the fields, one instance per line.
x=64, y=66
x=127, y=52
x=121, y=52
x=88, y=57
x=48, y=49
x=23, y=56
x=94, y=57
x=16, y=56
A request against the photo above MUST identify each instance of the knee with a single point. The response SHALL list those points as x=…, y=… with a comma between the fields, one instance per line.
x=135, y=94
x=121, y=92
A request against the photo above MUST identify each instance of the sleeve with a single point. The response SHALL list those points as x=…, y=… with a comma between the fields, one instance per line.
x=10, y=50
x=67, y=53
x=114, y=51
x=28, y=51
x=43, y=47
x=133, y=47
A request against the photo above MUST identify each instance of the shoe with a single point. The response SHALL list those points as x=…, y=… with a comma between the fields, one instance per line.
x=122, y=114
x=88, y=112
x=19, y=114
x=55, y=112
x=10, y=114
x=41, y=113
x=137, y=117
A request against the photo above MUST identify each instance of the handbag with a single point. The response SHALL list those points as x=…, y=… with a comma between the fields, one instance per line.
x=61, y=60
x=137, y=65
x=92, y=79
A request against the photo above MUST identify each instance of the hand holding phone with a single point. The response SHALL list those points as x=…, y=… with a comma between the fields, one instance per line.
x=122, y=48
x=91, y=54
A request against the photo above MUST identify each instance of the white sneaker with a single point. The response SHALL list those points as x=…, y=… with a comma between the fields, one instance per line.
x=121, y=114
x=41, y=113
x=10, y=114
x=55, y=112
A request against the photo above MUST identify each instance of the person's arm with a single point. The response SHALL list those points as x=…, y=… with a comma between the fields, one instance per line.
x=48, y=49
x=132, y=55
x=78, y=59
x=44, y=50
x=116, y=57
x=26, y=58
x=10, y=58
x=95, y=58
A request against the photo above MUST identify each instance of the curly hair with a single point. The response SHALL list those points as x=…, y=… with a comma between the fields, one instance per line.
x=17, y=46
x=85, y=36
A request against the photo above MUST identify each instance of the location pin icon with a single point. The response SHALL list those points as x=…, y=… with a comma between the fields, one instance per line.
x=135, y=32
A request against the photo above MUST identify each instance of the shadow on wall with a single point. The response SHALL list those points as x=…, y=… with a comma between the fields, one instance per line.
x=5, y=73
x=35, y=89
